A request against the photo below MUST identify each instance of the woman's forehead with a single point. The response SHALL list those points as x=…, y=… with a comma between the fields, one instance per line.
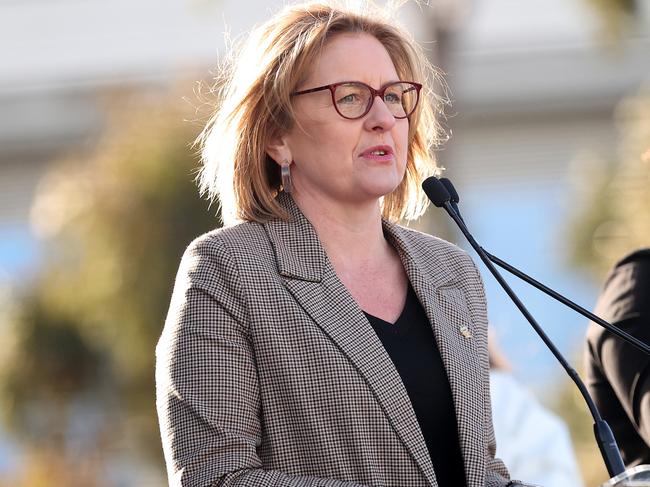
x=353, y=57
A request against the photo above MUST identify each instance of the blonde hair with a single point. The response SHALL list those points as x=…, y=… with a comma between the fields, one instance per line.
x=254, y=106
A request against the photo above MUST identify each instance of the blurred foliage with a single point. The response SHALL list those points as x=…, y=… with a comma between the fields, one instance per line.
x=115, y=222
x=617, y=17
x=49, y=356
x=613, y=216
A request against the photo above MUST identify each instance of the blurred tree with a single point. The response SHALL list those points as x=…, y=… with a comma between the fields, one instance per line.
x=617, y=17
x=613, y=216
x=115, y=222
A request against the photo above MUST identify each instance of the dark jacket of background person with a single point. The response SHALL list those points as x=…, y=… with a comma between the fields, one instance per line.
x=268, y=372
x=618, y=375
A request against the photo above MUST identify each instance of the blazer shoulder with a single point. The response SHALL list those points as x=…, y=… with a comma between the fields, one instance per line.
x=215, y=242
x=213, y=260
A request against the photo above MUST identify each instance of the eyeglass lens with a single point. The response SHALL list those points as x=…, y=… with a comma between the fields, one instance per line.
x=353, y=100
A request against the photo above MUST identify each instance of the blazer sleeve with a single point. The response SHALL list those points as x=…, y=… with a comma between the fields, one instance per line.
x=496, y=472
x=619, y=377
x=630, y=377
x=206, y=381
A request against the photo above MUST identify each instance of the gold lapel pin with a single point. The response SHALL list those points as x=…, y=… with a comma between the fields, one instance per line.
x=464, y=330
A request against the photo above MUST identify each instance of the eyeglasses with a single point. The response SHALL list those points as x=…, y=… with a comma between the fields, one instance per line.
x=354, y=99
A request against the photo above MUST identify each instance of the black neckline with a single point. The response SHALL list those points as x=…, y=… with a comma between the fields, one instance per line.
x=401, y=324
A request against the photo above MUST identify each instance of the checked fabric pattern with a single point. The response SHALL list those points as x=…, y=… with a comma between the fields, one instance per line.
x=269, y=374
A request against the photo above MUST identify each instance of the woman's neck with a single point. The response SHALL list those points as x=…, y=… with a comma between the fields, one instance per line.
x=349, y=233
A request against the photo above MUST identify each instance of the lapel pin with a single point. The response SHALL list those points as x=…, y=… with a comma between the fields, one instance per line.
x=464, y=330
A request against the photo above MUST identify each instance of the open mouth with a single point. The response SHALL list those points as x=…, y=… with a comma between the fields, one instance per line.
x=378, y=151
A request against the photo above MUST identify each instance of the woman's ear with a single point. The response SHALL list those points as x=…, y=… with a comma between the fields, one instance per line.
x=279, y=151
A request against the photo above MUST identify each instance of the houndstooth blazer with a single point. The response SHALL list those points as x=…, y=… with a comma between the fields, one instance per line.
x=269, y=374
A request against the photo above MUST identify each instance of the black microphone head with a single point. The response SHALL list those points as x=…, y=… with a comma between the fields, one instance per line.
x=436, y=191
x=450, y=188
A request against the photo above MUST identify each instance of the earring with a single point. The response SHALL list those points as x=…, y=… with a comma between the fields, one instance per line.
x=285, y=174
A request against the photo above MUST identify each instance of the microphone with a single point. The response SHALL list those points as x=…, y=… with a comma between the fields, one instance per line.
x=441, y=198
x=455, y=199
x=623, y=335
x=436, y=192
x=453, y=194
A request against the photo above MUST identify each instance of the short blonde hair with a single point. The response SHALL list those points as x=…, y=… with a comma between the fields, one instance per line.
x=254, y=106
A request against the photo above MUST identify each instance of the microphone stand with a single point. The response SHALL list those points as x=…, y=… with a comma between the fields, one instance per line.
x=638, y=476
x=603, y=433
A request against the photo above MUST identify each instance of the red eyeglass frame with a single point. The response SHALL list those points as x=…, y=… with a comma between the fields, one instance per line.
x=375, y=93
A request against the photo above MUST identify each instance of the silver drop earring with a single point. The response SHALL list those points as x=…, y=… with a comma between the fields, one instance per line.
x=285, y=174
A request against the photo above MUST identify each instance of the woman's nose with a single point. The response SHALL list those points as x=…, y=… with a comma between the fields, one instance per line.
x=379, y=117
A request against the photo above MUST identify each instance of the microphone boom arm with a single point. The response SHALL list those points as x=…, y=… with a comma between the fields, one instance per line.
x=644, y=347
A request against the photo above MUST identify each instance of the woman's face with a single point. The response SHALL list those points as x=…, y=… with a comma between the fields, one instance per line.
x=336, y=159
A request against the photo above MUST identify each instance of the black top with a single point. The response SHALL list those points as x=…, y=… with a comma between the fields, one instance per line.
x=617, y=374
x=412, y=348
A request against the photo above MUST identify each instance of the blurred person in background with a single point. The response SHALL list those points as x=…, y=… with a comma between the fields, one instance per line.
x=533, y=442
x=618, y=375
x=313, y=341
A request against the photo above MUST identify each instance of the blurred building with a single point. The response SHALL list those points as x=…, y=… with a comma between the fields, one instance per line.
x=532, y=89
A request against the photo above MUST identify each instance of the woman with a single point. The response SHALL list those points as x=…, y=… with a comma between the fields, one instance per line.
x=317, y=342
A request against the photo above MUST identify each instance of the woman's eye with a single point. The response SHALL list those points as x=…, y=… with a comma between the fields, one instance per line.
x=351, y=98
x=392, y=98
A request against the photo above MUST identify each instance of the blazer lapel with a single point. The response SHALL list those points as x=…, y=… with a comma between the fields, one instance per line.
x=446, y=308
x=311, y=279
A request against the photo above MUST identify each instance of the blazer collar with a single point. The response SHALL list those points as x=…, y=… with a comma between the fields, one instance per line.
x=300, y=254
x=420, y=260
x=297, y=248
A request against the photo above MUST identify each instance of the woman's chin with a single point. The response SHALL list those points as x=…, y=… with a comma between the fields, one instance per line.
x=383, y=188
